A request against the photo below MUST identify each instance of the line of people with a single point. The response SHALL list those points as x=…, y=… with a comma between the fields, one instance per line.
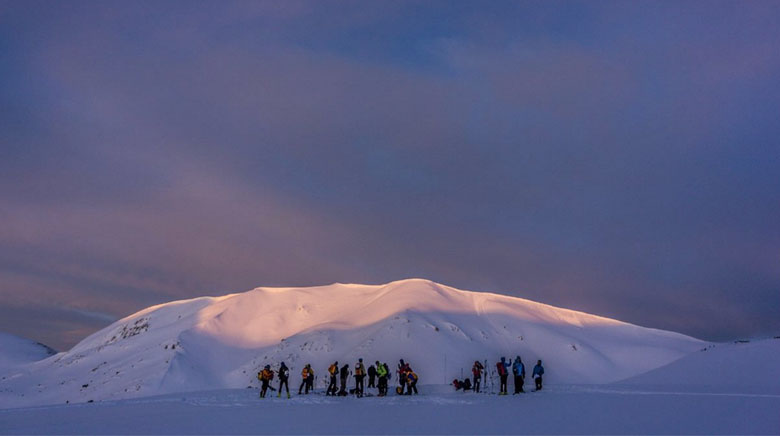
x=502, y=369
x=378, y=376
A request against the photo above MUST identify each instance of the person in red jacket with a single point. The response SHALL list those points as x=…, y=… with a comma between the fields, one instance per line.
x=503, y=372
x=476, y=371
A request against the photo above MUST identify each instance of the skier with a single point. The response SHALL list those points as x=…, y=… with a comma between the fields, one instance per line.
x=476, y=370
x=344, y=376
x=538, y=372
x=371, y=376
x=333, y=370
x=310, y=380
x=381, y=372
x=360, y=374
x=284, y=375
x=503, y=373
x=401, y=376
x=411, y=382
x=518, y=369
x=265, y=376
x=305, y=376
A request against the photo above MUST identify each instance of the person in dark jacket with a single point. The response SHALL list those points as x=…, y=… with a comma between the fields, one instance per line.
x=518, y=369
x=344, y=377
x=401, y=375
x=360, y=375
x=502, y=368
x=310, y=380
x=284, y=376
x=371, y=376
x=537, y=375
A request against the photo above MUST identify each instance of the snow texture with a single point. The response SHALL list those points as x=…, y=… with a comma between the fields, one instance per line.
x=212, y=343
x=559, y=409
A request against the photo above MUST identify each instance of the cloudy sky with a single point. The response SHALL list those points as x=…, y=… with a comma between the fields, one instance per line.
x=617, y=158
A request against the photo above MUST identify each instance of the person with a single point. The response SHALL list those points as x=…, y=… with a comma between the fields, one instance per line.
x=310, y=379
x=518, y=369
x=381, y=372
x=476, y=371
x=305, y=372
x=411, y=382
x=502, y=367
x=537, y=375
x=371, y=376
x=333, y=370
x=360, y=374
x=284, y=375
x=344, y=376
x=265, y=376
x=401, y=376
x=465, y=384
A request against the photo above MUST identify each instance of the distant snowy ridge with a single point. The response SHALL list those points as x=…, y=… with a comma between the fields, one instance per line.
x=18, y=351
x=734, y=367
x=219, y=342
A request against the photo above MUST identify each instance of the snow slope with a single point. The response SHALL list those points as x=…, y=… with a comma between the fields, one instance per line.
x=733, y=367
x=219, y=342
x=559, y=409
x=18, y=351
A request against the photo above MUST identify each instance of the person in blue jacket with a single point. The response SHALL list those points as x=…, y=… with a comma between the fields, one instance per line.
x=537, y=375
x=518, y=369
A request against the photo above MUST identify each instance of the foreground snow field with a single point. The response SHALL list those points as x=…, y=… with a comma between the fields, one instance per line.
x=726, y=389
x=567, y=409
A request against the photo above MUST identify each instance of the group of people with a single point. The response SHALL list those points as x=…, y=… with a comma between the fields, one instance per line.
x=267, y=374
x=378, y=375
x=517, y=367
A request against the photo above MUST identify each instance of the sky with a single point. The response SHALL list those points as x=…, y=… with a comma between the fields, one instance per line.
x=619, y=158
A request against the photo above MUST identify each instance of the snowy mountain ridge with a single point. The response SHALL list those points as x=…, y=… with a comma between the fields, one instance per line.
x=17, y=351
x=219, y=342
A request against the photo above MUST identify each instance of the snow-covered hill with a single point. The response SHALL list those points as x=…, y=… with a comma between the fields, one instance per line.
x=734, y=367
x=211, y=343
x=18, y=351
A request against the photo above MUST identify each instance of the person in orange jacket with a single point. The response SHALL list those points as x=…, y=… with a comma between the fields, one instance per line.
x=333, y=370
x=265, y=376
x=306, y=373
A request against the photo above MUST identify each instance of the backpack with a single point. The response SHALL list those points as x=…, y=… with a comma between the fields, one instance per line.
x=501, y=368
x=333, y=370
